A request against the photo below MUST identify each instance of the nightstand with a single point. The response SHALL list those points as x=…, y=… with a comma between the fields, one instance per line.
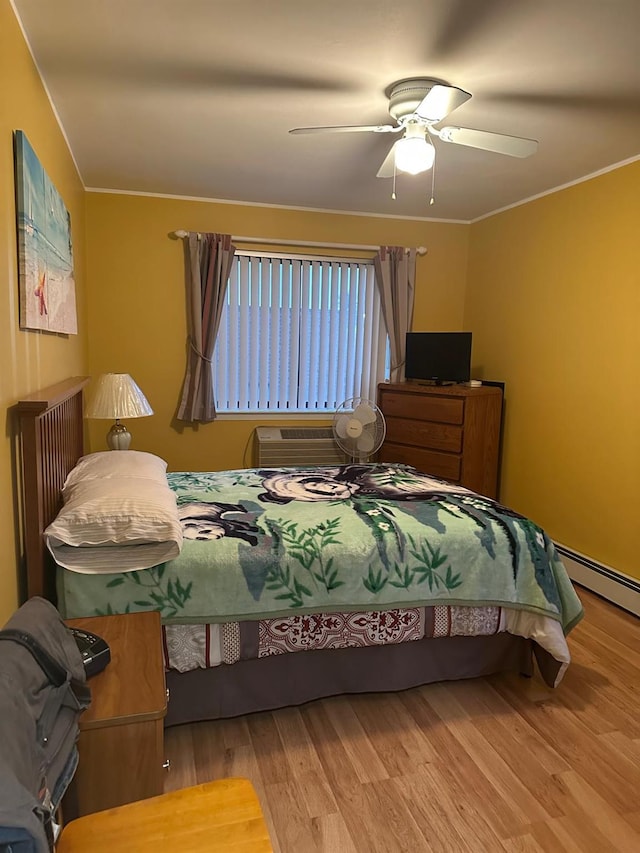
x=121, y=742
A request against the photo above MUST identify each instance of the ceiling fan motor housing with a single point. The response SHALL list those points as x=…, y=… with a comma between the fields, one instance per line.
x=405, y=96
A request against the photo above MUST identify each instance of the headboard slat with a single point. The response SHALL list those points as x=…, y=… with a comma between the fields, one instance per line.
x=51, y=430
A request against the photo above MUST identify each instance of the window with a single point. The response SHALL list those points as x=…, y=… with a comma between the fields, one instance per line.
x=299, y=335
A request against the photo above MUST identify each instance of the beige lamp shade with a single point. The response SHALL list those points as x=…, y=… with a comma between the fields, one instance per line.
x=116, y=395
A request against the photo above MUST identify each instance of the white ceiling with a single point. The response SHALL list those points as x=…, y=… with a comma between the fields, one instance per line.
x=195, y=98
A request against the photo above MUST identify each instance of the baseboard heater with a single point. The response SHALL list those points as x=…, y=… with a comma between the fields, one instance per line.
x=277, y=447
x=615, y=586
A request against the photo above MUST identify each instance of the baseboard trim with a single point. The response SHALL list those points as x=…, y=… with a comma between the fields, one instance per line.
x=615, y=586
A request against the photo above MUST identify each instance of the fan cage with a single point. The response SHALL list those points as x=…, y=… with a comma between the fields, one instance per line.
x=375, y=428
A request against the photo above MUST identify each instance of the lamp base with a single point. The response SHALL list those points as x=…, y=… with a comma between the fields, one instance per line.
x=118, y=437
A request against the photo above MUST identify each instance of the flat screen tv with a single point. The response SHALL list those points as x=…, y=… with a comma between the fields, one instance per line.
x=441, y=357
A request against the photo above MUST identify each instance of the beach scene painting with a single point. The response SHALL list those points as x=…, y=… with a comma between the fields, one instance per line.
x=45, y=251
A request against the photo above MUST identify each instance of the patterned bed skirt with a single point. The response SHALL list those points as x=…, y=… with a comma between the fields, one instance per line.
x=188, y=647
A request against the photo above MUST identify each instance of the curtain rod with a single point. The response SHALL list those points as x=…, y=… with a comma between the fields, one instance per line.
x=421, y=250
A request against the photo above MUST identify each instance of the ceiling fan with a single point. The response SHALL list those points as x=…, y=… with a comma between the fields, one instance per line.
x=417, y=105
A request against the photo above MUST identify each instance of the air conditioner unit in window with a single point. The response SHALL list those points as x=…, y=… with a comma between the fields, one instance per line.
x=278, y=447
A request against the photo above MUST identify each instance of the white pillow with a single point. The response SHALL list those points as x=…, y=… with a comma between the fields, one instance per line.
x=108, y=464
x=116, y=524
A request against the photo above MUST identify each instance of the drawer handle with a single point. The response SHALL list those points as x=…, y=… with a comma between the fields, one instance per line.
x=166, y=765
x=167, y=692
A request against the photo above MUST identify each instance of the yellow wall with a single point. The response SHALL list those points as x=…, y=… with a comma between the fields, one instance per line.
x=553, y=300
x=136, y=301
x=28, y=360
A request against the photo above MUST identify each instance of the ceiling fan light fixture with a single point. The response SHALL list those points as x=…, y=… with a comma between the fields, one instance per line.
x=414, y=154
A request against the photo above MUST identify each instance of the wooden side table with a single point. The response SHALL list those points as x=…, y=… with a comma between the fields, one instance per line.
x=220, y=816
x=121, y=742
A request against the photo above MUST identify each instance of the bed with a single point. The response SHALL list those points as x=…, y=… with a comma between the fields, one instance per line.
x=309, y=609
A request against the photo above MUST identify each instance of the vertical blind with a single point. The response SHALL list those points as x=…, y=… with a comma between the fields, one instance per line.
x=298, y=335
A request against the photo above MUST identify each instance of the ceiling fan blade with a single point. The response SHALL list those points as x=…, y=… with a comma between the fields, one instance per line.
x=514, y=146
x=440, y=101
x=349, y=128
x=387, y=168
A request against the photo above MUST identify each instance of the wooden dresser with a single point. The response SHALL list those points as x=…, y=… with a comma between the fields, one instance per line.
x=450, y=431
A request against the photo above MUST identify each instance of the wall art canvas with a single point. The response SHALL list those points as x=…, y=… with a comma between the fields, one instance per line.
x=45, y=251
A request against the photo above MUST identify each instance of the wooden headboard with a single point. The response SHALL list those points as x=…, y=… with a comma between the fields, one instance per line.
x=51, y=440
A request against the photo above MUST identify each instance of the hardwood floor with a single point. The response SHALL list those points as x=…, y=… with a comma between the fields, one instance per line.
x=492, y=764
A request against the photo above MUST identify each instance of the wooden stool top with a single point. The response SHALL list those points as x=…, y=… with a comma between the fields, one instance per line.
x=224, y=815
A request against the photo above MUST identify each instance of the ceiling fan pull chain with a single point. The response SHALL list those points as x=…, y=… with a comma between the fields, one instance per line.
x=393, y=191
x=433, y=184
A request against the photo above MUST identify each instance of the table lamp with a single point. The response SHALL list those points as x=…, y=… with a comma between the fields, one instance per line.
x=117, y=396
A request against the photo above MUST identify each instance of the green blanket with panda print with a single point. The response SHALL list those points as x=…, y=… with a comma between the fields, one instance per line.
x=265, y=543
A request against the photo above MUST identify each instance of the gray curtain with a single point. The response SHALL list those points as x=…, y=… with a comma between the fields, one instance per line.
x=395, y=270
x=208, y=259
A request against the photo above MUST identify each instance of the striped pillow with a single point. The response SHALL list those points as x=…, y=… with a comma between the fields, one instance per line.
x=116, y=463
x=115, y=524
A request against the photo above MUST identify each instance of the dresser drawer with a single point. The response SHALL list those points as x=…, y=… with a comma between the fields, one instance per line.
x=427, y=434
x=444, y=465
x=447, y=410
